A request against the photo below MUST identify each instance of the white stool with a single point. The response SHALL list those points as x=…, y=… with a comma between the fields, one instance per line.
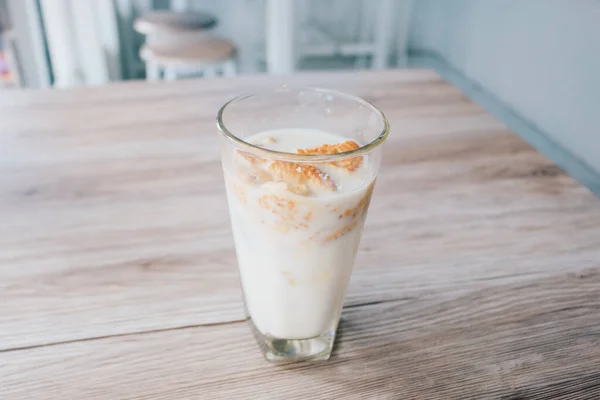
x=178, y=44
x=156, y=22
x=207, y=57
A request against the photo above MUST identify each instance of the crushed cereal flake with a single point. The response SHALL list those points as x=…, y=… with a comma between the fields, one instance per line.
x=299, y=174
x=350, y=164
x=251, y=158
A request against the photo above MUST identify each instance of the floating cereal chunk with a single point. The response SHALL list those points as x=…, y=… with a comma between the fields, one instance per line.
x=350, y=164
x=276, y=204
x=251, y=158
x=342, y=231
x=331, y=148
x=259, y=176
x=249, y=170
x=283, y=209
x=240, y=192
x=301, y=225
x=354, y=214
x=308, y=216
x=360, y=207
x=252, y=175
x=299, y=174
x=299, y=189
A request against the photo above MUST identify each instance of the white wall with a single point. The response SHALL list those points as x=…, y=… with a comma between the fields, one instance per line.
x=241, y=21
x=541, y=57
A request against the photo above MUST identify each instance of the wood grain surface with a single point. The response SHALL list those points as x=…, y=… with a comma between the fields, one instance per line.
x=478, y=274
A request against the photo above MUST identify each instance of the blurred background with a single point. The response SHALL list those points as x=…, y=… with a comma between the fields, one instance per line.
x=89, y=42
x=540, y=58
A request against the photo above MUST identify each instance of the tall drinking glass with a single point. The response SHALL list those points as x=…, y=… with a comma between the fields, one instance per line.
x=299, y=165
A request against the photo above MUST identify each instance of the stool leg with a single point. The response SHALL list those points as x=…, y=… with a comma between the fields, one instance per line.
x=229, y=68
x=152, y=71
x=170, y=73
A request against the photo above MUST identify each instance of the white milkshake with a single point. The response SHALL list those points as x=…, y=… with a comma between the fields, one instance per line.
x=297, y=229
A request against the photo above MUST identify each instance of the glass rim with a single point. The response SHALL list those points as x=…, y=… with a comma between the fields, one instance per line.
x=274, y=154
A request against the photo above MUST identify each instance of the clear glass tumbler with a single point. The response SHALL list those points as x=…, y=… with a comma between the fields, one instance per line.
x=300, y=166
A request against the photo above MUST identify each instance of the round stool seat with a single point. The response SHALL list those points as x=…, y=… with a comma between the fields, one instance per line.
x=173, y=22
x=207, y=50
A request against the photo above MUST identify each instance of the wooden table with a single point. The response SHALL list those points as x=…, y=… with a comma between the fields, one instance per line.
x=478, y=274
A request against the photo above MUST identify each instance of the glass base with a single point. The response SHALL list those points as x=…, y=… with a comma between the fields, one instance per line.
x=277, y=350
